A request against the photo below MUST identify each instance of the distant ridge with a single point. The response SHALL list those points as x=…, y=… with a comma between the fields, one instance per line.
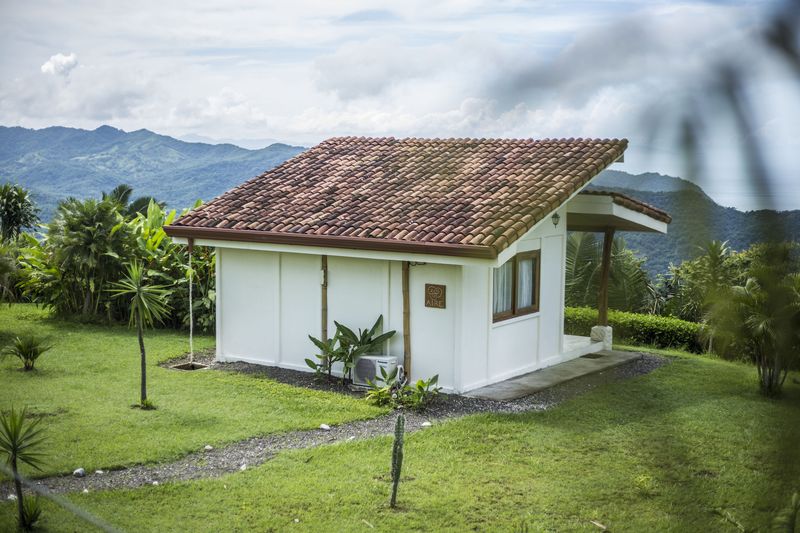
x=696, y=218
x=58, y=162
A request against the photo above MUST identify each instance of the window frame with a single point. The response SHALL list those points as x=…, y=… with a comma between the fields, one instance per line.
x=517, y=311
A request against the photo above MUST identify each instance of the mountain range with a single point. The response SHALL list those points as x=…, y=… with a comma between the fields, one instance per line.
x=57, y=162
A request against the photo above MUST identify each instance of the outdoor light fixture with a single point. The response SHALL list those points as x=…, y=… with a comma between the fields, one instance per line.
x=555, y=218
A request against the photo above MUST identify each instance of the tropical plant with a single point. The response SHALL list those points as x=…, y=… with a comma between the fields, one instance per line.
x=346, y=346
x=392, y=390
x=147, y=305
x=330, y=352
x=760, y=320
x=19, y=443
x=629, y=286
x=88, y=244
x=121, y=195
x=422, y=393
x=8, y=269
x=397, y=457
x=354, y=345
x=44, y=277
x=17, y=211
x=27, y=349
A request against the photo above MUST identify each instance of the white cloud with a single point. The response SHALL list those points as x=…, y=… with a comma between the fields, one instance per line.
x=60, y=64
x=306, y=70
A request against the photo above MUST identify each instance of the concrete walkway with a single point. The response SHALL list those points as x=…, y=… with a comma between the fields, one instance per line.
x=545, y=378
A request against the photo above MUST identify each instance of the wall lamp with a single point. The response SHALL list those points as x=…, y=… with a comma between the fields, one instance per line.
x=556, y=218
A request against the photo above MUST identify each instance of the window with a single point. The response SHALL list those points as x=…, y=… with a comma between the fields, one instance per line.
x=516, y=287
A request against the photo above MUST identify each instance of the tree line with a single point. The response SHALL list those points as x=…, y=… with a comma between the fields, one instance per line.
x=747, y=302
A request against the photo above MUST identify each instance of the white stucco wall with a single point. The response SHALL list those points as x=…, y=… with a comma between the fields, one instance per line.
x=491, y=352
x=270, y=301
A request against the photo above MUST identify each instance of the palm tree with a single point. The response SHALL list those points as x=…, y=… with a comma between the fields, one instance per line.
x=628, y=284
x=121, y=196
x=148, y=305
x=761, y=319
x=17, y=211
x=89, y=240
x=18, y=442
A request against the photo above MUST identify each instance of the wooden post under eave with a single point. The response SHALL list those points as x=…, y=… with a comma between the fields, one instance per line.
x=602, y=297
x=324, y=300
x=406, y=323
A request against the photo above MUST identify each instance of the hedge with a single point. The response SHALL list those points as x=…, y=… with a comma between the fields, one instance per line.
x=637, y=329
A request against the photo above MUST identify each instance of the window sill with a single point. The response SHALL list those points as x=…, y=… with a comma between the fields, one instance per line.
x=515, y=319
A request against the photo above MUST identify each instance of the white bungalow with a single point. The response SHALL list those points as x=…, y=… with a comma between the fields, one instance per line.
x=459, y=244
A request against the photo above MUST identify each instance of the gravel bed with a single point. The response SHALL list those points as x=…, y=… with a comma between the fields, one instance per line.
x=255, y=451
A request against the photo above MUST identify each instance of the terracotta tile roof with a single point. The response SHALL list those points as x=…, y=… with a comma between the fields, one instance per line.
x=633, y=204
x=468, y=197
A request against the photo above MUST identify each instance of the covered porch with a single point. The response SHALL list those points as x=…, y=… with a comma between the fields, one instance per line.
x=590, y=211
x=607, y=212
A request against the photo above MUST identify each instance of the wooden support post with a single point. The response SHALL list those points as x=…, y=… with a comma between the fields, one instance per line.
x=602, y=297
x=406, y=323
x=324, y=301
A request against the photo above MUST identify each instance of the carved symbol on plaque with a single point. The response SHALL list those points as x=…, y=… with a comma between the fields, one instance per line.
x=435, y=296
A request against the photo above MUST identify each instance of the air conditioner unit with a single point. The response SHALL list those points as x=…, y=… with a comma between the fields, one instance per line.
x=368, y=368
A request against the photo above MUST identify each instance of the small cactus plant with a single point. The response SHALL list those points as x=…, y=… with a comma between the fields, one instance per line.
x=397, y=457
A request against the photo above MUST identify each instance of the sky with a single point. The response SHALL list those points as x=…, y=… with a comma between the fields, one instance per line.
x=255, y=72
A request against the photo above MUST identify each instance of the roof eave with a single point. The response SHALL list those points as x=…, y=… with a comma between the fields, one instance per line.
x=356, y=243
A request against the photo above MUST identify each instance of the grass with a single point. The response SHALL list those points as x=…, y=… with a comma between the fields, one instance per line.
x=675, y=450
x=84, y=387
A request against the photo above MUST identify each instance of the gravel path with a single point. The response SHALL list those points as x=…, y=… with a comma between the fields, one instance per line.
x=255, y=451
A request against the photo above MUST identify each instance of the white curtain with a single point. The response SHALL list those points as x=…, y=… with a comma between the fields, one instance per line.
x=525, y=283
x=502, y=287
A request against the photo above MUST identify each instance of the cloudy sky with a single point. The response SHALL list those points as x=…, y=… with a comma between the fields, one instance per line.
x=301, y=71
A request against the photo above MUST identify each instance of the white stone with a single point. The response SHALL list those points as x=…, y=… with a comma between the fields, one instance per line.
x=155, y=483
x=208, y=447
x=79, y=472
x=324, y=427
x=243, y=468
x=86, y=491
x=296, y=520
x=99, y=472
x=603, y=334
x=426, y=424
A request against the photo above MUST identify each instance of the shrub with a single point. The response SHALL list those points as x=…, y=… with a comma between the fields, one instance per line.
x=27, y=349
x=346, y=346
x=637, y=329
x=392, y=390
x=31, y=512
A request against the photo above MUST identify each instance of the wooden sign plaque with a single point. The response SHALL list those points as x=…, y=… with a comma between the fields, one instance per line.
x=435, y=296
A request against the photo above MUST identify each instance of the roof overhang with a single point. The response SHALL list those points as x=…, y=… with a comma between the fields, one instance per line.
x=598, y=211
x=331, y=242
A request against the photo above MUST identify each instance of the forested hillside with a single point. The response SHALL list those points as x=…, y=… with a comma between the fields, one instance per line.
x=696, y=218
x=57, y=162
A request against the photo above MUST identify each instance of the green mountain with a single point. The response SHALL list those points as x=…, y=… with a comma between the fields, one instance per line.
x=696, y=218
x=58, y=162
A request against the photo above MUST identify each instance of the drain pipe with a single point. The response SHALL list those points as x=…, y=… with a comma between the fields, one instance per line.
x=406, y=323
x=324, y=297
x=191, y=311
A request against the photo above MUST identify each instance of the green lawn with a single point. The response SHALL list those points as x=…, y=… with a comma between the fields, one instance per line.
x=670, y=451
x=84, y=387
